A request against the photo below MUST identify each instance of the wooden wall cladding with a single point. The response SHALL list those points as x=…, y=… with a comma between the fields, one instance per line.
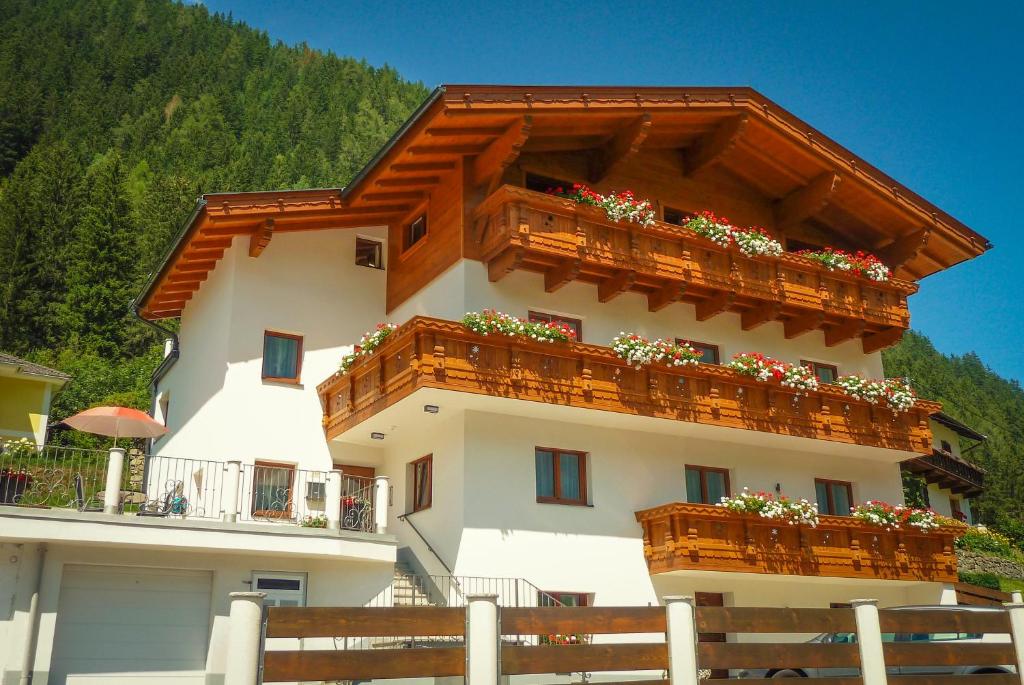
x=433, y=353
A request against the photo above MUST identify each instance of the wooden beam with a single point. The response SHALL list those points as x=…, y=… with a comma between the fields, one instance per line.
x=798, y=325
x=212, y=253
x=186, y=278
x=665, y=295
x=762, y=314
x=411, y=181
x=557, y=276
x=715, y=305
x=504, y=264
x=504, y=150
x=421, y=166
x=881, y=340
x=194, y=266
x=806, y=202
x=260, y=238
x=843, y=332
x=624, y=144
x=396, y=195
x=486, y=132
x=613, y=286
x=711, y=147
x=444, y=150
x=204, y=242
x=903, y=249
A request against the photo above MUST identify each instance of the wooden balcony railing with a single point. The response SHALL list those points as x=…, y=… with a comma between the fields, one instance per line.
x=431, y=353
x=523, y=229
x=947, y=471
x=702, y=537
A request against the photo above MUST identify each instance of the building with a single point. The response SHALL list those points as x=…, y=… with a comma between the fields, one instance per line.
x=26, y=391
x=548, y=472
x=952, y=481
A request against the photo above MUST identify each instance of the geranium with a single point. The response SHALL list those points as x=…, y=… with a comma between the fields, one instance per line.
x=766, y=505
x=892, y=517
x=755, y=241
x=638, y=351
x=764, y=368
x=896, y=393
x=706, y=224
x=751, y=241
x=858, y=263
x=617, y=206
x=370, y=341
x=493, y=322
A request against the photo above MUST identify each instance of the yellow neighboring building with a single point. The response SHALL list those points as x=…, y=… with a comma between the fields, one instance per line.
x=26, y=390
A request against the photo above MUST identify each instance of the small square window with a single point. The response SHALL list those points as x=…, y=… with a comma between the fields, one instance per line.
x=415, y=232
x=826, y=373
x=546, y=184
x=543, y=317
x=568, y=599
x=674, y=216
x=709, y=353
x=369, y=253
x=835, y=497
x=422, y=482
x=946, y=447
x=282, y=357
x=273, y=487
x=561, y=476
x=706, y=485
x=282, y=589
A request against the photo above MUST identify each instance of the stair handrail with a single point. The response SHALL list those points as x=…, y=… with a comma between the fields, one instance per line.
x=451, y=574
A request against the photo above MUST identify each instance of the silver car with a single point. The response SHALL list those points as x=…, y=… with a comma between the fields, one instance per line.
x=796, y=671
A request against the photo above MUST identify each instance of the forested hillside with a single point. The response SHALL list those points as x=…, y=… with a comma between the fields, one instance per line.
x=116, y=114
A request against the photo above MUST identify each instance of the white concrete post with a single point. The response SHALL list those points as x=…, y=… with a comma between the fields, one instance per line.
x=482, y=640
x=380, y=504
x=1017, y=597
x=869, y=641
x=1016, y=611
x=243, y=653
x=229, y=493
x=332, y=503
x=948, y=597
x=112, y=494
x=681, y=618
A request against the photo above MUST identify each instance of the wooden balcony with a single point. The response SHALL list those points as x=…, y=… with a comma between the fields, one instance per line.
x=949, y=471
x=431, y=353
x=522, y=229
x=701, y=537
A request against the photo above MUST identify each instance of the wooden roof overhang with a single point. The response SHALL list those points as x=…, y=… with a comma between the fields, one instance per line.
x=733, y=132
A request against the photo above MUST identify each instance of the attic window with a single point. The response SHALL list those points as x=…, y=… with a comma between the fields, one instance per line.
x=415, y=232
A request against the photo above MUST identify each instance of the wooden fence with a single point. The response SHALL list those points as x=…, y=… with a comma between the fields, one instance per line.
x=660, y=644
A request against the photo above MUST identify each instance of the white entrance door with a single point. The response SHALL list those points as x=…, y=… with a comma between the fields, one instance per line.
x=131, y=626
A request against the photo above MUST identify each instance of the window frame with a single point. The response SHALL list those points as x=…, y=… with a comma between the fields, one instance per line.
x=946, y=446
x=830, y=502
x=294, y=380
x=271, y=593
x=407, y=246
x=814, y=366
x=709, y=346
x=538, y=316
x=582, y=598
x=556, y=477
x=428, y=460
x=704, y=470
x=666, y=211
x=379, y=245
x=286, y=513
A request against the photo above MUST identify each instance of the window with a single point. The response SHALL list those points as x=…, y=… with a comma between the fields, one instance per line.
x=272, y=489
x=561, y=476
x=422, y=482
x=415, y=232
x=706, y=485
x=543, y=317
x=946, y=447
x=956, y=510
x=569, y=599
x=826, y=373
x=674, y=216
x=709, y=353
x=282, y=357
x=282, y=589
x=834, y=496
x=369, y=253
x=544, y=184
x=797, y=245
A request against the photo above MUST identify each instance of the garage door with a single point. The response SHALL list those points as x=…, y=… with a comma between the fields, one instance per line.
x=131, y=626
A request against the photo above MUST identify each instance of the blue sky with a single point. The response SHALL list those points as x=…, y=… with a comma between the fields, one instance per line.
x=928, y=92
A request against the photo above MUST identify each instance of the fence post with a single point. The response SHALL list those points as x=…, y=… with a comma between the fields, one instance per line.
x=380, y=504
x=1017, y=597
x=332, y=495
x=112, y=493
x=482, y=645
x=869, y=641
x=229, y=494
x=1016, y=611
x=681, y=620
x=243, y=657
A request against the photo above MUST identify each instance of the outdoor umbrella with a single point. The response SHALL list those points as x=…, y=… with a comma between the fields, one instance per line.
x=117, y=422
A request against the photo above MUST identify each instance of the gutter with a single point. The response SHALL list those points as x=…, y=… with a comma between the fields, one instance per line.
x=171, y=249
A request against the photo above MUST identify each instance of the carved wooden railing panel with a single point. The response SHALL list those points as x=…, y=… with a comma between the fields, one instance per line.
x=702, y=537
x=434, y=353
x=519, y=228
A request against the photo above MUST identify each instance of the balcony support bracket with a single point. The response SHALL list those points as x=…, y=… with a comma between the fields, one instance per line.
x=798, y=325
x=716, y=304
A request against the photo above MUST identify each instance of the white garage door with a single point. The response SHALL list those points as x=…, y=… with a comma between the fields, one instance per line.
x=131, y=626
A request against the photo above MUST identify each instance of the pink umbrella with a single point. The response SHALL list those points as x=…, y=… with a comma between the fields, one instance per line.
x=116, y=422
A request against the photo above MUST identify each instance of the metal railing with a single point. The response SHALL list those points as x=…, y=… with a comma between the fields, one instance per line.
x=52, y=476
x=275, y=493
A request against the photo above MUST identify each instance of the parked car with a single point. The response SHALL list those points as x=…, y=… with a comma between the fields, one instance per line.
x=797, y=671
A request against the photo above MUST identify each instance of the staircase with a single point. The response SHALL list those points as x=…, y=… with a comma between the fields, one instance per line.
x=407, y=588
